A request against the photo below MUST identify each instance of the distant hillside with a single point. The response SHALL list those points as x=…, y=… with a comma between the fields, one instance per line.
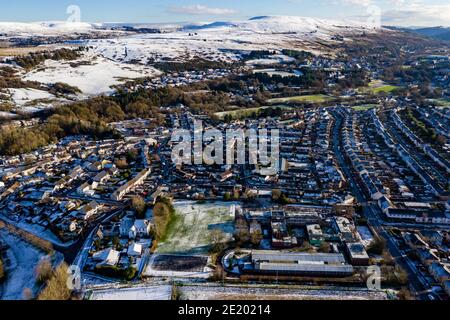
x=438, y=33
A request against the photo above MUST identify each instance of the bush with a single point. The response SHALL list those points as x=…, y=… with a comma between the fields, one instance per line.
x=116, y=272
x=138, y=205
x=241, y=232
x=217, y=240
x=324, y=247
x=377, y=246
x=44, y=271
x=56, y=288
x=121, y=164
x=163, y=214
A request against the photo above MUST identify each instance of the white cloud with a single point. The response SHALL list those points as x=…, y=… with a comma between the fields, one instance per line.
x=201, y=10
x=418, y=14
x=363, y=3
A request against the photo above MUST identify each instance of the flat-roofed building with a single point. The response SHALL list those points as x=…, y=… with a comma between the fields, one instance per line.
x=315, y=234
x=357, y=254
x=307, y=264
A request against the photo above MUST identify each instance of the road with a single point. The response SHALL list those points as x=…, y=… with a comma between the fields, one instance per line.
x=374, y=215
x=72, y=252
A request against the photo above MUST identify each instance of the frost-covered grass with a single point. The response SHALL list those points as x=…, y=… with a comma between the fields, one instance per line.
x=272, y=293
x=364, y=107
x=443, y=102
x=161, y=292
x=23, y=259
x=238, y=113
x=190, y=231
x=377, y=87
x=274, y=59
x=317, y=98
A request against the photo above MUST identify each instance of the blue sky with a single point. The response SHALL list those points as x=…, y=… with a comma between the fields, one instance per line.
x=393, y=12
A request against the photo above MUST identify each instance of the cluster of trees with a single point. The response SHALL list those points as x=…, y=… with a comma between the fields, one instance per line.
x=377, y=247
x=63, y=88
x=354, y=78
x=279, y=197
x=88, y=117
x=300, y=56
x=163, y=215
x=428, y=133
x=34, y=59
x=138, y=204
x=242, y=233
x=9, y=79
x=15, y=141
x=423, y=73
x=207, y=97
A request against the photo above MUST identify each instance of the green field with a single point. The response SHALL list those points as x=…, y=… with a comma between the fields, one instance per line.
x=443, y=102
x=239, y=113
x=244, y=113
x=384, y=89
x=377, y=87
x=189, y=232
x=316, y=98
x=364, y=107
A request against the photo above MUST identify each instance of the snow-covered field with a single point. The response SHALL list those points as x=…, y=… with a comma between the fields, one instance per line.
x=23, y=96
x=93, y=78
x=160, y=292
x=194, y=223
x=20, y=274
x=274, y=59
x=54, y=28
x=255, y=293
x=225, y=40
x=122, y=56
x=32, y=100
x=7, y=115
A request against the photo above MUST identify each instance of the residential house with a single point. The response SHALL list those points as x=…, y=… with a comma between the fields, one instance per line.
x=134, y=250
x=108, y=257
x=90, y=210
x=143, y=228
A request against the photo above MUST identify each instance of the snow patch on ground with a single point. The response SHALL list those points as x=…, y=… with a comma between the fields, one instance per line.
x=24, y=96
x=46, y=28
x=7, y=115
x=226, y=41
x=146, y=293
x=21, y=273
x=94, y=77
x=261, y=293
